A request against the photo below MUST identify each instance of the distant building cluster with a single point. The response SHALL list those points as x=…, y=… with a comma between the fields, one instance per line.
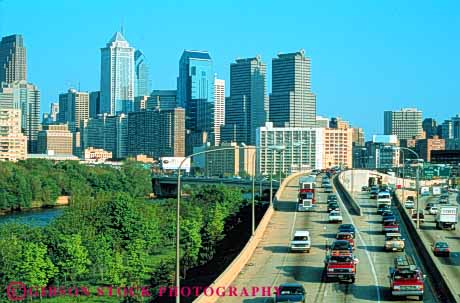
x=126, y=117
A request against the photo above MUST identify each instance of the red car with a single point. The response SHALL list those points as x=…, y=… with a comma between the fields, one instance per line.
x=390, y=227
x=346, y=236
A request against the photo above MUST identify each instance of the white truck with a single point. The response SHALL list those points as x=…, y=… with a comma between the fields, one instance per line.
x=447, y=217
x=436, y=190
x=384, y=198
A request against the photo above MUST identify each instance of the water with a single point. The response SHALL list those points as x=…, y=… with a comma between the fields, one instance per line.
x=39, y=217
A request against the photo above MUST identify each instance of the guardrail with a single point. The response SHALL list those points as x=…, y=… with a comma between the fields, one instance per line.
x=440, y=283
x=232, y=271
x=349, y=200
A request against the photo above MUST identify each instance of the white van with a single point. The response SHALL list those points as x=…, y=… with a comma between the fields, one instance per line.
x=301, y=241
x=384, y=197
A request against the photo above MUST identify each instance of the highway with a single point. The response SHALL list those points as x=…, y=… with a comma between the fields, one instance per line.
x=273, y=264
x=450, y=266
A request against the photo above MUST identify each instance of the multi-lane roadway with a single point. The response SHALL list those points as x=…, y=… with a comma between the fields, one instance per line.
x=273, y=263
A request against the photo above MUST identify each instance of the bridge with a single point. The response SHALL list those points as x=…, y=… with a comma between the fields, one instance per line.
x=271, y=263
x=166, y=186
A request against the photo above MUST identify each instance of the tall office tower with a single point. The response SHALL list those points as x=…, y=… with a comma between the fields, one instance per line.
x=429, y=126
x=107, y=132
x=13, y=65
x=447, y=130
x=94, y=104
x=56, y=139
x=219, y=108
x=406, y=123
x=195, y=92
x=157, y=133
x=52, y=116
x=337, y=122
x=292, y=103
x=26, y=97
x=141, y=74
x=117, y=76
x=456, y=127
x=358, y=136
x=162, y=99
x=73, y=108
x=13, y=144
x=247, y=107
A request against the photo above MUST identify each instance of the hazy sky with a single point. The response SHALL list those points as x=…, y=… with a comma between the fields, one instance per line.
x=367, y=56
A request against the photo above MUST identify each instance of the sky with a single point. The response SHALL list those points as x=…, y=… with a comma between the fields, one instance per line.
x=367, y=56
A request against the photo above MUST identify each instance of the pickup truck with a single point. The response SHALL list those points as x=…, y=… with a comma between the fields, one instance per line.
x=340, y=266
x=394, y=242
x=406, y=278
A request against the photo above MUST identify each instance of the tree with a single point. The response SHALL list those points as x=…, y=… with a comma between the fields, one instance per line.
x=115, y=270
x=136, y=257
x=72, y=257
x=191, y=237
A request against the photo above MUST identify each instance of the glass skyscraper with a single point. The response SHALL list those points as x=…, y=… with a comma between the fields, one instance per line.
x=12, y=59
x=195, y=92
x=141, y=72
x=117, y=76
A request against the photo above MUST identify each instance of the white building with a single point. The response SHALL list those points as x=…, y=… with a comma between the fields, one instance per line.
x=117, y=76
x=219, y=108
x=13, y=144
x=303, y=149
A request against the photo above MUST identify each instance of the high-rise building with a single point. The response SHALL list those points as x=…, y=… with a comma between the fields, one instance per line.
x=140, y=103
x=292, y=103
x=425, y=146
x=162, y=99
x=26, y=97
x=406, y=123
x=117, y=76
x=381, y=155
x=447, y=130
x=219, y=108
x=358, y=136
x=73, y=108
x=141, y=73
x=303, y=149
x=13, y=65
x=429, y=126
x=195, y=92
x=338, y=147
x=157, y=133
x=52, y=116
x=322, y=122
x=55, y=139
x=456, y=127
x=337, y=122
x=94, y=104
x=13, y=144
x=247, y=107
x=107, y=132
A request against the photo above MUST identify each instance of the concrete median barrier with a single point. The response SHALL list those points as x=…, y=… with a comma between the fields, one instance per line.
x=443, y=287
x=345, y=195
x=231, y=272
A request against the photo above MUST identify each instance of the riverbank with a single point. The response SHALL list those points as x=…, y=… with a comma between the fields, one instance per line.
x=60, y=202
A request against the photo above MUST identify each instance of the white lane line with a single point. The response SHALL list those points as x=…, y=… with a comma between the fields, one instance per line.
x=371, y=262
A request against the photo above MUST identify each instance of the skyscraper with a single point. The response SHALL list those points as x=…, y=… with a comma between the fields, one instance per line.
x=219, y=107
x=195, y=92
x=246, y=108
x=94, y=104
x=447, y=130
x=456, y=127
x=141, y=72
x=292, y=104
x=26, y=97
x=429, y=127
x=162, y=99
x=12, y=59
x=117, y=76
x=73, y=108
x=406, y=123
x=157, y=133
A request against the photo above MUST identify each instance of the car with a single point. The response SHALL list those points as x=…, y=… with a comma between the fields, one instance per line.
x=291, y=292
x=328, y=188
x=388, y=217
x=332, y=197
x=364, y=188
x=390, y=227
x=433, y=210
x=443, y=200
x=346, y=236
x=394, y=242
x=347, y=228
x=335, y=217
x=341, y=246
x=440, y=248
x=374, y=192
x=301, y=241
x=383, y=208
x=386, y=212
x=332, y=207
x=429, y=205
x=409, y=204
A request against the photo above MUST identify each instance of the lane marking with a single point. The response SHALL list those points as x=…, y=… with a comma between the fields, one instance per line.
x=371, y=261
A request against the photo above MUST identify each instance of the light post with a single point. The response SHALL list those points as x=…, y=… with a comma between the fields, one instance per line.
x=417, y=180
x=275, y=148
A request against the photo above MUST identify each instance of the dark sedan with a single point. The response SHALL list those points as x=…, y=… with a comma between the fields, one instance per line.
x=441, y=249
x=349, y=228
x=291, y=292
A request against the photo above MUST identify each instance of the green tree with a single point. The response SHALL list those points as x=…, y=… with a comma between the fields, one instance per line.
x=72, y=257
x=191, y=237
x=115, y=270
x=136, y=257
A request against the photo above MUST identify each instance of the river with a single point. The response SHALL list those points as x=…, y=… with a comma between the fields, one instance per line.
x=36, y=217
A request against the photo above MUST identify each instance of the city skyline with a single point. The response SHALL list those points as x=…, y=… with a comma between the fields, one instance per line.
x=335, y=82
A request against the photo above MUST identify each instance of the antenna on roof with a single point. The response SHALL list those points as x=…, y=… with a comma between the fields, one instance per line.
x=122, y=29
